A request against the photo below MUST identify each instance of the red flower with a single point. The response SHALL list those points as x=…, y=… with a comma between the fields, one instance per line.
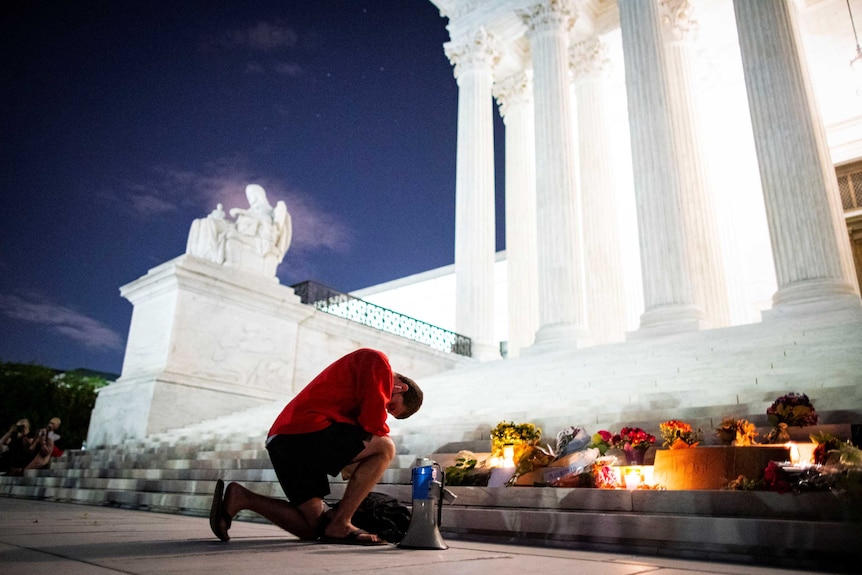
x=776, y=478
x=634, y=438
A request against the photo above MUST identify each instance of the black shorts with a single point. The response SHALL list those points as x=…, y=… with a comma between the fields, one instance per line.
x=302, y=461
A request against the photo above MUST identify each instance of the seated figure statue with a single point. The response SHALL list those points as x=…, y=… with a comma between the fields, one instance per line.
x=256, y=241
x=207, y=236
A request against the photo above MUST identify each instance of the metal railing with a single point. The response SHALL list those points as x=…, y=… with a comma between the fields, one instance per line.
x=360, y=311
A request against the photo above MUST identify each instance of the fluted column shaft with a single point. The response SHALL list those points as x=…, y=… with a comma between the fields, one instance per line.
x=604, y=280
x=813, y=261
x=562, y=310
x=475, y=244
x=515, y=98
x=699, y=217
x=670, y=294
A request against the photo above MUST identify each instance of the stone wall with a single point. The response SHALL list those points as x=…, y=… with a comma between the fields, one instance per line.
x=206, y=340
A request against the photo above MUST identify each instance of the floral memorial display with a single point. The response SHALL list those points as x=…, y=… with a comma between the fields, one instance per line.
x=464, y=471
x=789, y=410
x=740, y=432
x=826, y=444
x=794, y=409
x=607, y=460
x=520, y=435
x=571, y=439
x=635, y=442
x=512, y=444
x=601, y=440
x=836, y=467
x=679, y=434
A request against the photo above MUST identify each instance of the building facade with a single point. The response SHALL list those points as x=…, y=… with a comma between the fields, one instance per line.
x=670, y=165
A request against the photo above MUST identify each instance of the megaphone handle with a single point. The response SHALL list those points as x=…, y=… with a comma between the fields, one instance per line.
x=440, y=498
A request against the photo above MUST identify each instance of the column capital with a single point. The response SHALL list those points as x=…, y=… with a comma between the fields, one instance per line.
x=589, y=58
x=454, y=9
x=514, y=90
x=480, y=52
x=549, y=16
x=677, y=19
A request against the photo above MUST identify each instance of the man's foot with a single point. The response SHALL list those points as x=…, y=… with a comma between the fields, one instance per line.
x=219, y=520
x=355, y=537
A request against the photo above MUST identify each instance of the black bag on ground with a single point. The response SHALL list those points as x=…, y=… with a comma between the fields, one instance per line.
x=382, y=514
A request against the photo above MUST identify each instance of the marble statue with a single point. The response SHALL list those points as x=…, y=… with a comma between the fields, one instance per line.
x=256, y=240
x=207, y=235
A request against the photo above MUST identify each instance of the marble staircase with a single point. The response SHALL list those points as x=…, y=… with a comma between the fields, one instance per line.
x=175, y=473
x=699, y=378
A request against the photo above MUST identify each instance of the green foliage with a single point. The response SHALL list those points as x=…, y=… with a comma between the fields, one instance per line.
x=849, y=455
x=743, y=483
x=40, y=393
x=459, y=473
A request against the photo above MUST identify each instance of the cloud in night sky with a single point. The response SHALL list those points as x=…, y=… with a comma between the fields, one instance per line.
x=61, y=320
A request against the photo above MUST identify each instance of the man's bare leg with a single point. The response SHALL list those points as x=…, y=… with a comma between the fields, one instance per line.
x=302, y=520
x=370, y=465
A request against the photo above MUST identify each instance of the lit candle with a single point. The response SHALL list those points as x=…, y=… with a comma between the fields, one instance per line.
x=794, y=453
x=508, y=456
x=633, y=478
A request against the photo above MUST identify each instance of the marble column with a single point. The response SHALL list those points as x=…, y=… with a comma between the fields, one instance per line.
x=475, y=244
x=699, y=214
x=813, y=261
x=515, y=99
x=562, y=310
x=668, y=251
x=604, y=275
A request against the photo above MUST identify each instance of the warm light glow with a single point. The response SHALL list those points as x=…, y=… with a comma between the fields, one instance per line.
x=633, y=480
x=794, y=453
x=495, y=461
x=508, y=456
x=633, y=476
x=802, y=453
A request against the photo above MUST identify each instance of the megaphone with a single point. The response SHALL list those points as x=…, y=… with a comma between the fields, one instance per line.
x=428, y=493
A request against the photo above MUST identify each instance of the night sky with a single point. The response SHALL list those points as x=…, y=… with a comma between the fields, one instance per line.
x=122, y=121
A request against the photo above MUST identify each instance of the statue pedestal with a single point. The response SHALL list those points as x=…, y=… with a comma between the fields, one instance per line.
x=205, y=340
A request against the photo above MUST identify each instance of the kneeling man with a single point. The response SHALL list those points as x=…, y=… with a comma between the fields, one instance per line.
x=338, y=419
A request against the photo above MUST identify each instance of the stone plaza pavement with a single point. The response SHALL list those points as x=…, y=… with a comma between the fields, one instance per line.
x=47, y=538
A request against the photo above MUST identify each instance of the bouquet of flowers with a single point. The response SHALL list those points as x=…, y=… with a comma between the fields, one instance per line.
x=520, y=435
x=509, y=433
x=633, y=438
x=679, y=434
x=601, y=440
x=826, y=444
x=792, y=409
x=775, y=478
x=603, y=477
x=734, y=431
x=464, y=471
x=571, y=439
x=532, y=457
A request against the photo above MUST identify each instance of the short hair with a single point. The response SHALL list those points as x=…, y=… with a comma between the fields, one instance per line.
x=412, y=397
